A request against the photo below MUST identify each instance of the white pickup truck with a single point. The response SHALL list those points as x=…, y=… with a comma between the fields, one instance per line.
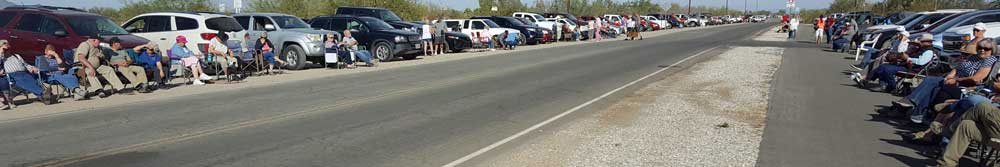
x=478, y=29
x=535, y=18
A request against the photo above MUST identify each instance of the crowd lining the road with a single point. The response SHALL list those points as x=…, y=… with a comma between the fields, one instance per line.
x=948, y=98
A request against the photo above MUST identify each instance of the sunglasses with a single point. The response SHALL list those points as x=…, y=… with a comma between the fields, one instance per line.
x=985, y=49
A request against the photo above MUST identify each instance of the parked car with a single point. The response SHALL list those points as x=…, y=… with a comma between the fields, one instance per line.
x=568, y=16
x=568, y=23
x=390, y=17
x=296, y=42
x=529, y=34
x=478, y=29
x=660, y=23
x=29, y=28
x=199, y=28
x=917, y=21
x=385, y=42
x=959, y=24
x=546, y=31
x=954, y=38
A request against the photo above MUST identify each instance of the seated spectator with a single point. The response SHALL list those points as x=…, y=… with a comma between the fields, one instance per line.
x=89, y=56
x=844, y=38
x=189, y=59
x=870, y=61
x=67, y=80
x=21, y=72
x=946, y=112
x=221, y=53
x=352, y=46
x=970, y=71
x=886, y=73
x=151, y=62
x=266, y=49
x=119, y=58
x=977, y=124
x=510, y=40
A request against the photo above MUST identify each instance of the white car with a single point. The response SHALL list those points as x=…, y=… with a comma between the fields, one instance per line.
x=691, y=21
x=163, y=28
x=663, y=23
x=535, y=18
x=570, y=24
x=481, y=28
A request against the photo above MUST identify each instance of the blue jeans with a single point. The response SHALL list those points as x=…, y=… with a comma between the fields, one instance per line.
x=511, y=43
x=27, y=82
x=886, y=74
x=791, y=34
x=269, y=56
x=364, y=55
x=828, y=31
x=840, y=44
x=922, y=95
x=869, y=56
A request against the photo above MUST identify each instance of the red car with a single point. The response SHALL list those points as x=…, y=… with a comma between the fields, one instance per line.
x=64, y=28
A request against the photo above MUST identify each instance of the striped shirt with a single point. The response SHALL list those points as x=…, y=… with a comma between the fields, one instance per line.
x=15, y=63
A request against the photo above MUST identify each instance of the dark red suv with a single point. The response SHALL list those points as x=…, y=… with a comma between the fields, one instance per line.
x=30, y=28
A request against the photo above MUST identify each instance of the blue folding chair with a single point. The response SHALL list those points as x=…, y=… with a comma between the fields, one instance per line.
x=45, y=72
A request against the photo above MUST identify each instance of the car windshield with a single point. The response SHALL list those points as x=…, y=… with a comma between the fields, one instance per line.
x=94, y=25
x=491, y=24
x=907, y=19
x=945, y=24
x=376, y=24
x=289, y=22
x=227, y=24
x=526, y=21
x=539, y=18
x=388, y=15
x=513, y=21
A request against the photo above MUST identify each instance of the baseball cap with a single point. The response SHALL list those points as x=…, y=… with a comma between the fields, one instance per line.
x=980, y=26
x=181, y=39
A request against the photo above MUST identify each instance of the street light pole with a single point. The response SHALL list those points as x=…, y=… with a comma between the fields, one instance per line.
x=689, y=7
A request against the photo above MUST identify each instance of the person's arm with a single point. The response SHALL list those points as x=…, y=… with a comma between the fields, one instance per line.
x=976, y=78
x=83, y=60
x=950, y=78
x=159, y=67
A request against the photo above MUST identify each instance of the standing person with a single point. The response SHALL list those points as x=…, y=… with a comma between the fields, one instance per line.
x=426, y=36
x=266, y=49
x=829, y=28
x=88, y=56
x=793, y=27
x=69, y=81
x=599, y=29
x=441, y=28
x=20, y=72
x=820, y=25
x=221, y=52
x=119, y=58
x=189, y=59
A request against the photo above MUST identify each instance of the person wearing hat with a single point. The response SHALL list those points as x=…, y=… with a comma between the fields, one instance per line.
x=978, y=34
x=119, y=58
x=89, y=55
x=189, y=59
x=886, y=73
x=221, y=53
x=18, y=70
x=150, y=61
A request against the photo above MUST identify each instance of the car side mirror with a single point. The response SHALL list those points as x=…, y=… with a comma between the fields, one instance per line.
x=269, y=27
x=354, y=31
x=59, y=33
x=131, y=29
x=925, y=26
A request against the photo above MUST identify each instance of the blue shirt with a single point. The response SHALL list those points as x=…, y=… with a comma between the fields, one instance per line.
x=179, y=51
x=923, y=59
x=148, y=60
x=971, y=64
x=511, y=37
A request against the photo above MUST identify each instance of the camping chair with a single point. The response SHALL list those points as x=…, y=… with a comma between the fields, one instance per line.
x=332, y=55
x=176, y=68
x=44, y=75
x=861, y=47
x=914, y=74
x=250, y=60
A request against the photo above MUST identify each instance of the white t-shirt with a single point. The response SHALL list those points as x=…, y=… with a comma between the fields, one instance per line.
x=793, y=24
x=426, y=32
x=219, y=46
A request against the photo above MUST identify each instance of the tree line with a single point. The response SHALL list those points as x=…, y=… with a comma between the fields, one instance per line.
x=413, y=9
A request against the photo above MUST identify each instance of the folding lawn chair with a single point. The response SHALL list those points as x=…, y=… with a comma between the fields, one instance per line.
x=45, y=72
x=861, y=47
x=177, y=68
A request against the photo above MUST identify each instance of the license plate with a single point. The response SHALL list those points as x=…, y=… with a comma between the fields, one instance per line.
x=416, y=45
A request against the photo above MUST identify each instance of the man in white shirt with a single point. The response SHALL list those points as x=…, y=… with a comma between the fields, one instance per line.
x=793, y=26
x=221, y=52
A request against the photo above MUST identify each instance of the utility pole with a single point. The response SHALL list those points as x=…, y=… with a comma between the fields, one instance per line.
x=567, y=5
x=689, y=7
x=727, y=7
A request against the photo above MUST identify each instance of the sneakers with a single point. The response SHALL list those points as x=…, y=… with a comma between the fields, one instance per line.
x=205, y=77
x=79, y=94
x=858, y=79
x=198, y=82
x=47, y=97
x=105, y=93
x=905, y=103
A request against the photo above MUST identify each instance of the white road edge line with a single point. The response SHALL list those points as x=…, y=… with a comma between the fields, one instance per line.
x=567, y=112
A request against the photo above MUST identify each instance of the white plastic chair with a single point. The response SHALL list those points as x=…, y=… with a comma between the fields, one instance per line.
x=861, y=47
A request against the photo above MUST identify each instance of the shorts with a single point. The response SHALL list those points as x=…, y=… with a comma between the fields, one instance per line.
x=189, y=61
x=439, y=40
x=426, y=40
x=819, y=32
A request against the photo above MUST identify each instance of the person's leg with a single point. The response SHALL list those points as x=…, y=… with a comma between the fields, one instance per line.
x=869, y=55
x=364, y=56
x=269, y=56
x=966, y=133
x=140, y=74
x=130, y=76
x=66, y=80
x=109, y=75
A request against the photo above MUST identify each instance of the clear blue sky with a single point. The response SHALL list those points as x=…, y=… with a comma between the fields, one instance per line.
x=462, y=4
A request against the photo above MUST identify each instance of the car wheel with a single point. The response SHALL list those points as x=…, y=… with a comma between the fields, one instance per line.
x=295, y=57
x=410, y=57
x=692, y=24
x=383, y=52
x=521, y=41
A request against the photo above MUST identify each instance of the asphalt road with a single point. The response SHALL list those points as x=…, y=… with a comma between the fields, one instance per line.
x=426, y=115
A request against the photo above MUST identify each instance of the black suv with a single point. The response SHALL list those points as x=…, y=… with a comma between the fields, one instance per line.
x=384, y=41
x=457, y=41
x=530, y=34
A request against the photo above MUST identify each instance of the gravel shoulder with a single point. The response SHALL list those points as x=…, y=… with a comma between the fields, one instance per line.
x=712, y=114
